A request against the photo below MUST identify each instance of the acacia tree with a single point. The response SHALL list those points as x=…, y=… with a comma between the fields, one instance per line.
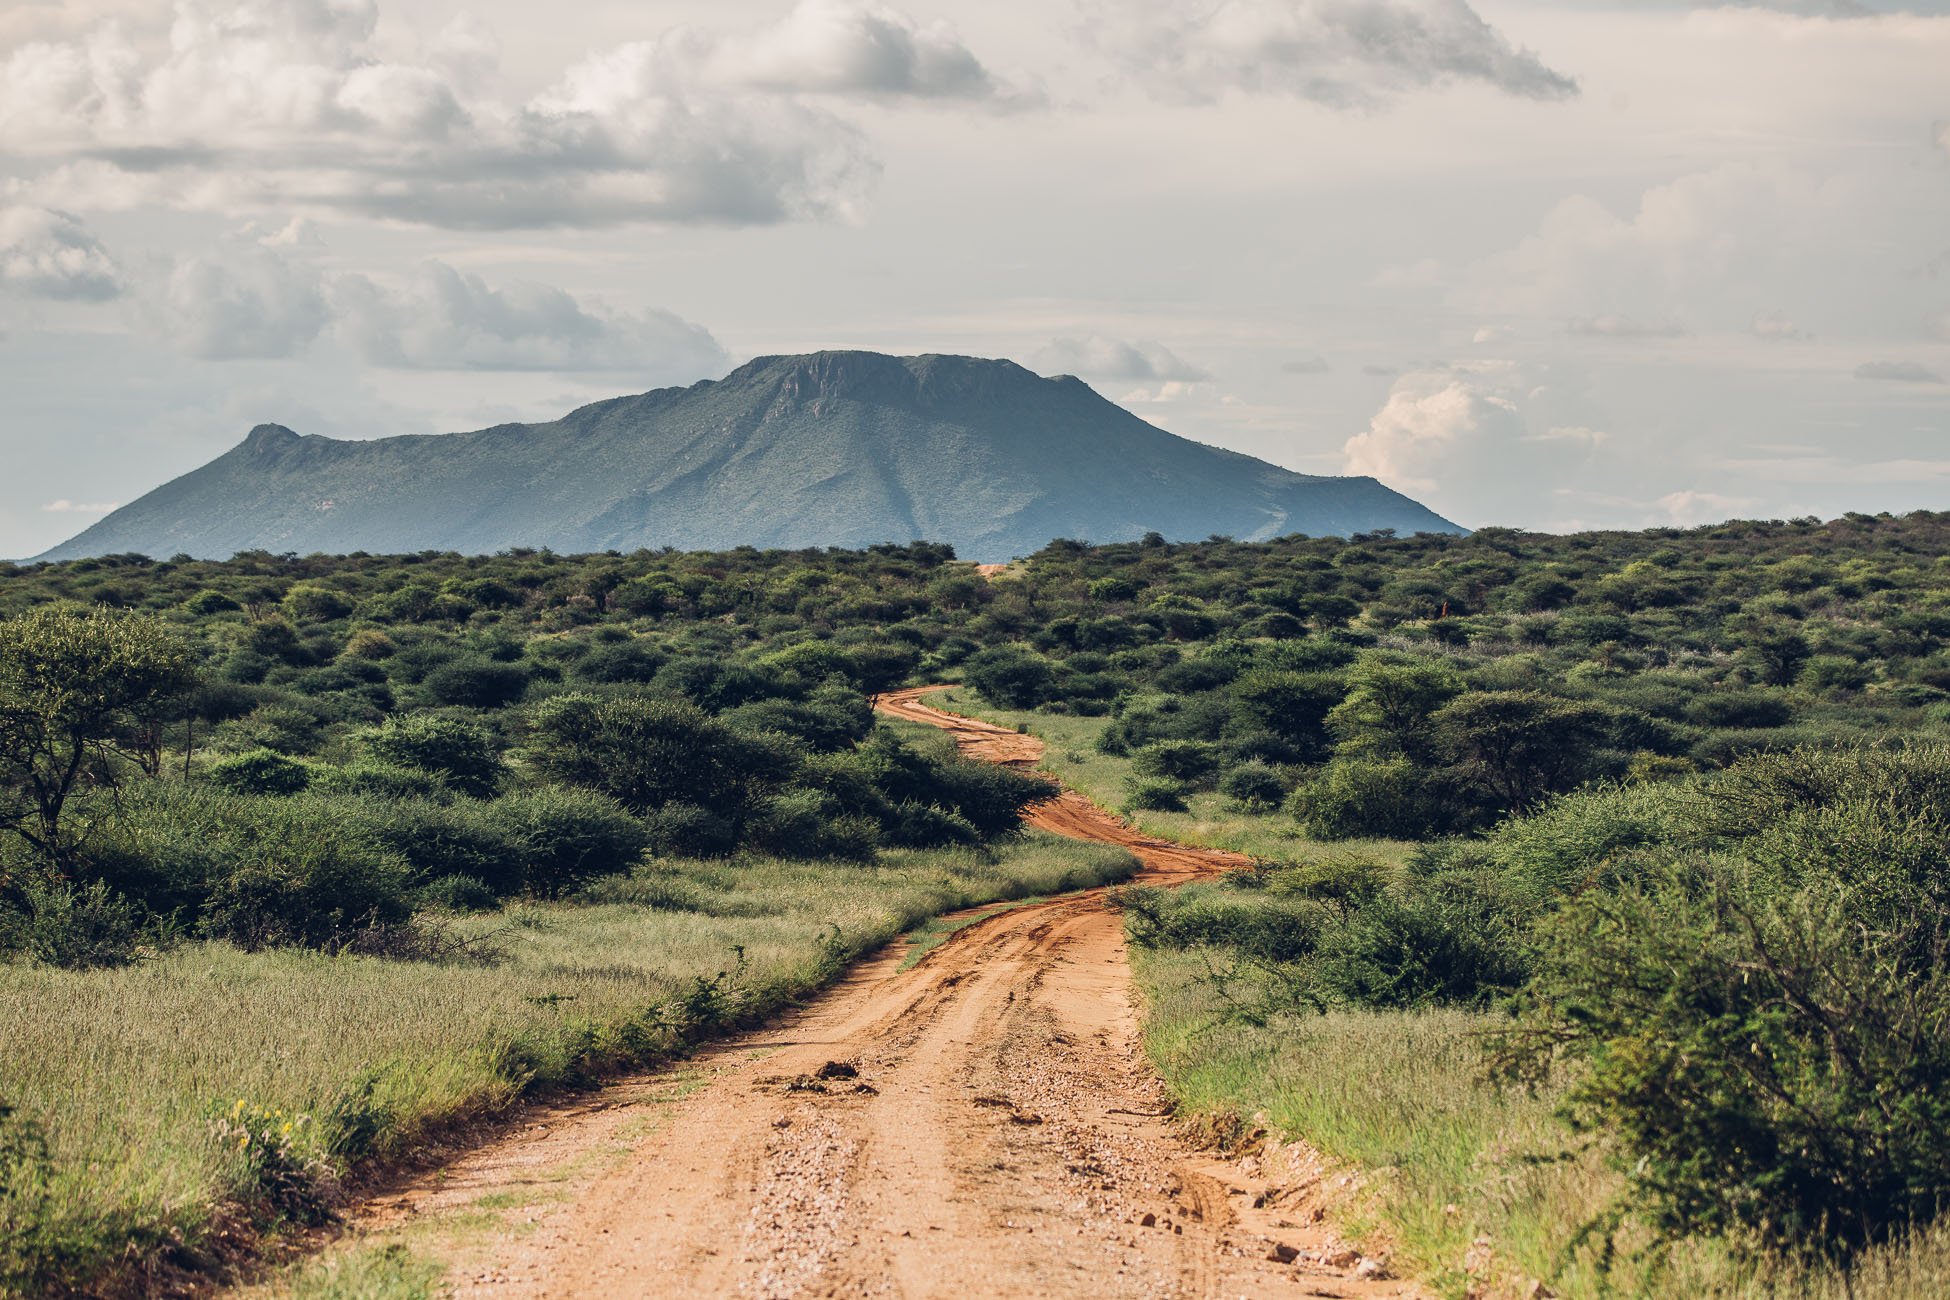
x=79, y=690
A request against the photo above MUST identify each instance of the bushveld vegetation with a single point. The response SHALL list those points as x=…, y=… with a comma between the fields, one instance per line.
x=1664, y=809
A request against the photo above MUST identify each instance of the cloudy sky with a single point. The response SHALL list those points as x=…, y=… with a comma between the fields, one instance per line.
x=1550, y=263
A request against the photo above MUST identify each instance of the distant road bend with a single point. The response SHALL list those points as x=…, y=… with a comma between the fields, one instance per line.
x=1002, y=1137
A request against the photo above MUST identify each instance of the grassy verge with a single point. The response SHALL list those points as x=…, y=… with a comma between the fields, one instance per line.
x=127, y=1074
x=1211, y=822
x=1479, y=1191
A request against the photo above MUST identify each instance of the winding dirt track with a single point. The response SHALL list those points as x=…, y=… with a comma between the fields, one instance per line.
x=1002, y=1137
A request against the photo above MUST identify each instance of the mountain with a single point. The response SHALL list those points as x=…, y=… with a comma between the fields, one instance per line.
x=827, y=449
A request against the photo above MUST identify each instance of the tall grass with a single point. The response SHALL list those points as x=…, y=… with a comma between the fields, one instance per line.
x=123, y=1069
x=1478, y=1190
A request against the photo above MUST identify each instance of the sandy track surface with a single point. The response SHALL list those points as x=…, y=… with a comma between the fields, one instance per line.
x=981, y=1124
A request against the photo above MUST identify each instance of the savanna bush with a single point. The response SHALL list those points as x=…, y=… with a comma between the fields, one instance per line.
x=261, y=771
x=1757, y=1010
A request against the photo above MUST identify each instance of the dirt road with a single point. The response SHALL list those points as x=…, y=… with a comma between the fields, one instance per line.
x=982, y=1124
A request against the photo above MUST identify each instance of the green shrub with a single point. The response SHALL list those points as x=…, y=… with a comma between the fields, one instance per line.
x=261, y=771
x=1188, y=762
x=565, y=838
x=685, y=830
x=1154, y=795
x=805, y=824
x=1759, y=1018
x=458, y=839
x=1741, y=709
x=1274, y=929
x=478, y=683
x=459, y=753
x=79, y=927
x=1354, y=798
x=379, y=779
x=1453, y=939
x=459, y=894
x=1254, y=786
x=923, y=826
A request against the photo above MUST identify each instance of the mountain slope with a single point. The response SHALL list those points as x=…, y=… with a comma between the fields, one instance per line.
x=827, y=449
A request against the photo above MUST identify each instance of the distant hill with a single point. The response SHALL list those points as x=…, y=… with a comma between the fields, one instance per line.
x=827, y=449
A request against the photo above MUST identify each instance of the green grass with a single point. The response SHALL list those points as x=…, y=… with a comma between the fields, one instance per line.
x=1212, y=821
x=121, y=1069
x=1445, y=1157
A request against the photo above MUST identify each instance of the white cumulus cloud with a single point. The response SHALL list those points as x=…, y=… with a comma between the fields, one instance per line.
x=48, y=254
x=294, y=104
x=1459, y=438
x=238, y=302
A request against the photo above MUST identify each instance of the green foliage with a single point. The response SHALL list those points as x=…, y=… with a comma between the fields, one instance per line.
x=1362, y=798
x=478, y=683
x=261, y=771
x=562, y=839
x=79, y=927
x=460, y=754
x=648, y=752
x=1254, y=786
x=80, y=693
x=1154, y=794
x=1757, y=1009
x=1190, y=763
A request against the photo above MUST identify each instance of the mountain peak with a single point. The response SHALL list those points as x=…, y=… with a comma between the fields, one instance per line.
x=267, y=436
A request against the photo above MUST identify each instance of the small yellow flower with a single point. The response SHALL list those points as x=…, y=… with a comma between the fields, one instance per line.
x=286, y=1130
x=243, y=1141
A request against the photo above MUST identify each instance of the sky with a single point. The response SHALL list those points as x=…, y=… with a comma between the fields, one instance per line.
x=1552, y=264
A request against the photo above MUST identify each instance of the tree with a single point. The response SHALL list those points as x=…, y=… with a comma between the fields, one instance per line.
x=1517, y=747
x=647, y=753
x=1389, y=704
x=78, y=691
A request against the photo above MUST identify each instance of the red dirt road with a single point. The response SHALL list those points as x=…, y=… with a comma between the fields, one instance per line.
x=1001, y=1135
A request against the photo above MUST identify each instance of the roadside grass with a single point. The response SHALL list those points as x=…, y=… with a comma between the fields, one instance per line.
x=123, y=1072
x=1211, y=822
x=1445, y=1158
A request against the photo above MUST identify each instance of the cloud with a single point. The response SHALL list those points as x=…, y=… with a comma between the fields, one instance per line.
x=1776, y=326
x=1313, y=365
x=238, y=302
x=834, y=47
x=66, y=507
x=293, y=105
x=1686, y=509
x=1341, y=53
x=1096, y=357
x=1493, y=334
x=1611, y=326
x=444, y=319
x=47, y=254
x=1898, y=372
x=1458, y=438
x=1429, y=423
x=1702, y=249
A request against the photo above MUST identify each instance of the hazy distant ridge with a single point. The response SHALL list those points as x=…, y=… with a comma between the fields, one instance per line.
x=826, y=449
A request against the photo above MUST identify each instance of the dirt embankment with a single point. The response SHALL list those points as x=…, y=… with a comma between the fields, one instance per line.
x=981, y=1124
